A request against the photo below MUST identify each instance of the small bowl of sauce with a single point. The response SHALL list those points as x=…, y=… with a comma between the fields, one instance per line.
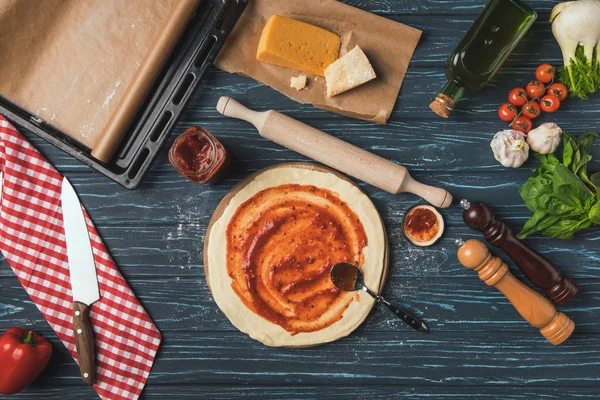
x=423, y=225
x=199, y=156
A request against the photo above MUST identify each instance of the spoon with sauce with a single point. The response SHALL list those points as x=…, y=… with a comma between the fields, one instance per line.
x=348, y=277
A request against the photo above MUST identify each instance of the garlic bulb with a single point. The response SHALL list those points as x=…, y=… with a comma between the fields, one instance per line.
x=510, y=148
x=545, y=138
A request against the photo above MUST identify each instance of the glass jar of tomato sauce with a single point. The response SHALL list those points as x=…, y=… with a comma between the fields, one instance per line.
x=199, y=156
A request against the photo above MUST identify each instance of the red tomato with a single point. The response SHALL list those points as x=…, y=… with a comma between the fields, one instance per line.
x=550, y=103
x=517, y=97
x=532, y=110
x=507, y=112
x=522, y=124
x=545, y=73
x=535, y=89
x=559, y=90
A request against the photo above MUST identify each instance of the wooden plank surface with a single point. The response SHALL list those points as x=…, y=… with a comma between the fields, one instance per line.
x=479, y=347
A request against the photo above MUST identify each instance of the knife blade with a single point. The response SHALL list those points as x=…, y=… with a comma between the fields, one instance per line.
x=84, y=282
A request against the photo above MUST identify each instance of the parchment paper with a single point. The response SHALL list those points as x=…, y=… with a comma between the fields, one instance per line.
x=389, y=45
x=76, y=63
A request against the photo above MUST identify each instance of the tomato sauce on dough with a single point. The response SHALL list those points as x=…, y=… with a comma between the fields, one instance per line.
x=281, y=245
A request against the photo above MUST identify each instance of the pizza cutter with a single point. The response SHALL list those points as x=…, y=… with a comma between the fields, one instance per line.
x=348, y=277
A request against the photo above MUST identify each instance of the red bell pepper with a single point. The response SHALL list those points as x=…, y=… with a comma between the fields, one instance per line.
x=23, y=356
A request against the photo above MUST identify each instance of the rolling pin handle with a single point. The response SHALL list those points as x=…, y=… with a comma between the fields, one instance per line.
x=438, y=197
x=232, y=108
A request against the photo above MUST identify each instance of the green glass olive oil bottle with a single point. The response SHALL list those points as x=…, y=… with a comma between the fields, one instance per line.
x=482, y=50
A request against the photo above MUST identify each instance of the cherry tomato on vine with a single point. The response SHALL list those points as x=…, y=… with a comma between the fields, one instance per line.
x=507, y=112
x=517, y=97
x=550, y=103
x=535, y=89
x=532, y=110
x=559, y=90
x=522, y=123
x=545, y=73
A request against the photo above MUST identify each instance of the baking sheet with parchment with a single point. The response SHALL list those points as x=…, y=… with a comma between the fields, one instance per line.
x=85, y=66
x=389, y=45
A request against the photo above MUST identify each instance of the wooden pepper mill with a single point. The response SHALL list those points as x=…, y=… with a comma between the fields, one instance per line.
x=541, y=272
x=533, y=307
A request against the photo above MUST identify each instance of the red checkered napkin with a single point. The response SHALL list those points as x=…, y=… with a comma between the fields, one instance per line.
x=32, y=240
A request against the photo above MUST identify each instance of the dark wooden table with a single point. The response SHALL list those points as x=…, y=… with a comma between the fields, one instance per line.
x=479, y=347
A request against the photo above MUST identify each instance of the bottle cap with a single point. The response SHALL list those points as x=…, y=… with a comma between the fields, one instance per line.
x=442, y=105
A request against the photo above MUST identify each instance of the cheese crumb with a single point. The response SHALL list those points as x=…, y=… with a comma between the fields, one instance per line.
x=298, y=82
x=348, y=72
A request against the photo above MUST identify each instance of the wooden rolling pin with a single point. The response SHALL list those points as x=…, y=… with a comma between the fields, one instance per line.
x=541, y=272
x=334, y=152
x=539, y=312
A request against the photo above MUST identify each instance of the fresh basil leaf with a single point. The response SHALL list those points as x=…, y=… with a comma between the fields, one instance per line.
x=532, y=223
x=547, y=163
x=558, y=208
x=582, y=165
x=589, y=203
x=533, y=189
x=585, y=141
x=563, y=194
x=562, y=176
x=568, y=150
x=582, y=173
x=584, y=148
x=565, y=228
x=595, y=179
x=594, y=214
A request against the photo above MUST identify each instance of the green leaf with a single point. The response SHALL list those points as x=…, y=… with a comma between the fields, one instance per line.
x=563, y=194
x=565, y=228
x=585, y=141
x=582, y=77
x=547, y=163
x=595, y=179
x=538, y=221
x=568, y=151
x=594, y=214
x=533, y=189
x=584, y=148
x=562, y=176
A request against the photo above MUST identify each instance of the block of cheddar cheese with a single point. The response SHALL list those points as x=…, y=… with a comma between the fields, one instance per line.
x=297, y=45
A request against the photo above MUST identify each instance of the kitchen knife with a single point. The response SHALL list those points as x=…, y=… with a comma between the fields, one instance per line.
x=84, y=283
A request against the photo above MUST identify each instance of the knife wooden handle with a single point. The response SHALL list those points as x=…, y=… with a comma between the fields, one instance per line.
x=84, y=340
x=555, y=326
x=336, y=153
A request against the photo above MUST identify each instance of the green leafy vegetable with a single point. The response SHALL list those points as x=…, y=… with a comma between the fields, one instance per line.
x=561, y=196
x=582, y=76
x=595, y=179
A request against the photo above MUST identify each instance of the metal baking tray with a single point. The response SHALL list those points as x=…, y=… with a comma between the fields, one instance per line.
x=195, y=51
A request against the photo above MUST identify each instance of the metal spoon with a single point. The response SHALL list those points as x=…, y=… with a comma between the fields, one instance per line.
x=348, y=277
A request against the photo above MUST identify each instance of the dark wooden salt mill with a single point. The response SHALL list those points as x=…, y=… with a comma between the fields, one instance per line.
x=541, y=272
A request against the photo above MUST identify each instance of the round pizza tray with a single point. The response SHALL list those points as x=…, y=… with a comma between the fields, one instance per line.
x=225, y=202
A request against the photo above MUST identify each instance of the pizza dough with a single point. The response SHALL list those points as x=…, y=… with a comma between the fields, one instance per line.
x=220, y=283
